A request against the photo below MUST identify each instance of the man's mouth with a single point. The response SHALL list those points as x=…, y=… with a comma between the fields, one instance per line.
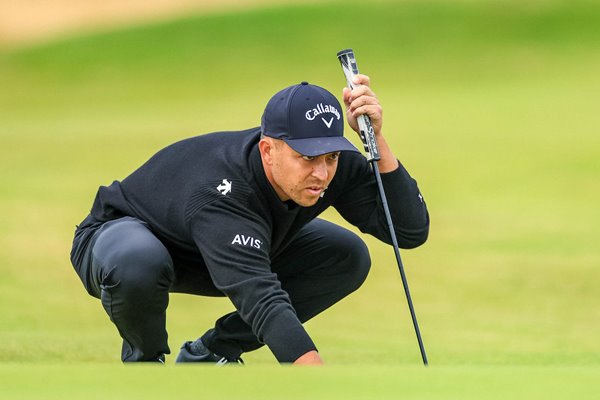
x=315, y=190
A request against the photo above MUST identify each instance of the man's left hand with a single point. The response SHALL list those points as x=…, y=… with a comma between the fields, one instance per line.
x=362, y=101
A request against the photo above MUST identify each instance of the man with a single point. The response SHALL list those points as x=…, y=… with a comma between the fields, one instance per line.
x=234, y=214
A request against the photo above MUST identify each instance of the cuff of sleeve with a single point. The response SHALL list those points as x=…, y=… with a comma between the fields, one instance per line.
x=399, y=179
x=287, y=338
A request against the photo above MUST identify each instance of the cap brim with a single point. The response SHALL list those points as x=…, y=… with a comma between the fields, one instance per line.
x=322, y=145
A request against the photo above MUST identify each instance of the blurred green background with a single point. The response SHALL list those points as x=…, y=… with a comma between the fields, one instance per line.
x=491, y=105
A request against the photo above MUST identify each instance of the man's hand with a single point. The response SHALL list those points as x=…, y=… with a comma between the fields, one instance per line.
x=362, y=101
x=310, y=358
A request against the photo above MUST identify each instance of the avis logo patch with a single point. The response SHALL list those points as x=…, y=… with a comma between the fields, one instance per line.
x=244, y=240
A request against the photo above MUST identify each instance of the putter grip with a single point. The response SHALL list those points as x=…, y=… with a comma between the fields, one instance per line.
x=367, y=135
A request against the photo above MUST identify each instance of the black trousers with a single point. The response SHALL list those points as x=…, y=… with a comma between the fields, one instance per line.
x=122, y=263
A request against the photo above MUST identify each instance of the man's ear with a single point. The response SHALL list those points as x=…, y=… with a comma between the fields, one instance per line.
x=266, y=146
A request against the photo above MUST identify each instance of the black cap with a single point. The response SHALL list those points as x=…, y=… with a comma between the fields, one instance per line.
x=308, y=118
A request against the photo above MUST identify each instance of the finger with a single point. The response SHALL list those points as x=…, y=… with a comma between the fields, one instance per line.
x=361, y=79
x=362, y=101
x=346, y=93
x=361, y=91
x=372, y=111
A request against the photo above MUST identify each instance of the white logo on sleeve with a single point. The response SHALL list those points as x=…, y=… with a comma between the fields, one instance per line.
x=224, y=187
x=244, y=240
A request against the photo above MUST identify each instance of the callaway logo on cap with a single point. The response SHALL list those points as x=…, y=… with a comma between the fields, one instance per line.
x=308, y=118
x=323, y=109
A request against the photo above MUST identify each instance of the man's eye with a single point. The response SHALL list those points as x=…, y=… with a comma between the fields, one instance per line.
x=308, y=158
x=334, y=156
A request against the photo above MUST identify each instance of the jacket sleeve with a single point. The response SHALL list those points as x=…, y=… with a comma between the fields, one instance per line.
x=360, y=204
x=234, y=243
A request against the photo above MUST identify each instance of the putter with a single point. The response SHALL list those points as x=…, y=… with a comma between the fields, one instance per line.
x=367, y=135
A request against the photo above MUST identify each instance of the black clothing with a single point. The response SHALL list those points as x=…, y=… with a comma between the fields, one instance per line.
x=136, y=273
x=208, y=202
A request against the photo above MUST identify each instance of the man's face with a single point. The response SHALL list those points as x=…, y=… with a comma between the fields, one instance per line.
x=296, y=177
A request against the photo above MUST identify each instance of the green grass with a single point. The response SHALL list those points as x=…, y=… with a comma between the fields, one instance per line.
x=346, y=382
x=492, y=106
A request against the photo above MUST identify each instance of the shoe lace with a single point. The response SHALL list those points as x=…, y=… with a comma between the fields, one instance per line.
x=198, y=348
x=225, y=360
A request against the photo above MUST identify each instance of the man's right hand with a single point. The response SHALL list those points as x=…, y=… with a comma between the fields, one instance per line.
x=310, y=358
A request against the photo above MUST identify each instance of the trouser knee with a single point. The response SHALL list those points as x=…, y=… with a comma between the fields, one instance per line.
x=138, y=272
x=357, y=263
x=350, y=261
x=127, y=257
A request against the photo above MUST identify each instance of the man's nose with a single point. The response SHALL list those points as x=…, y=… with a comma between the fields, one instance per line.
x=320, y=170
